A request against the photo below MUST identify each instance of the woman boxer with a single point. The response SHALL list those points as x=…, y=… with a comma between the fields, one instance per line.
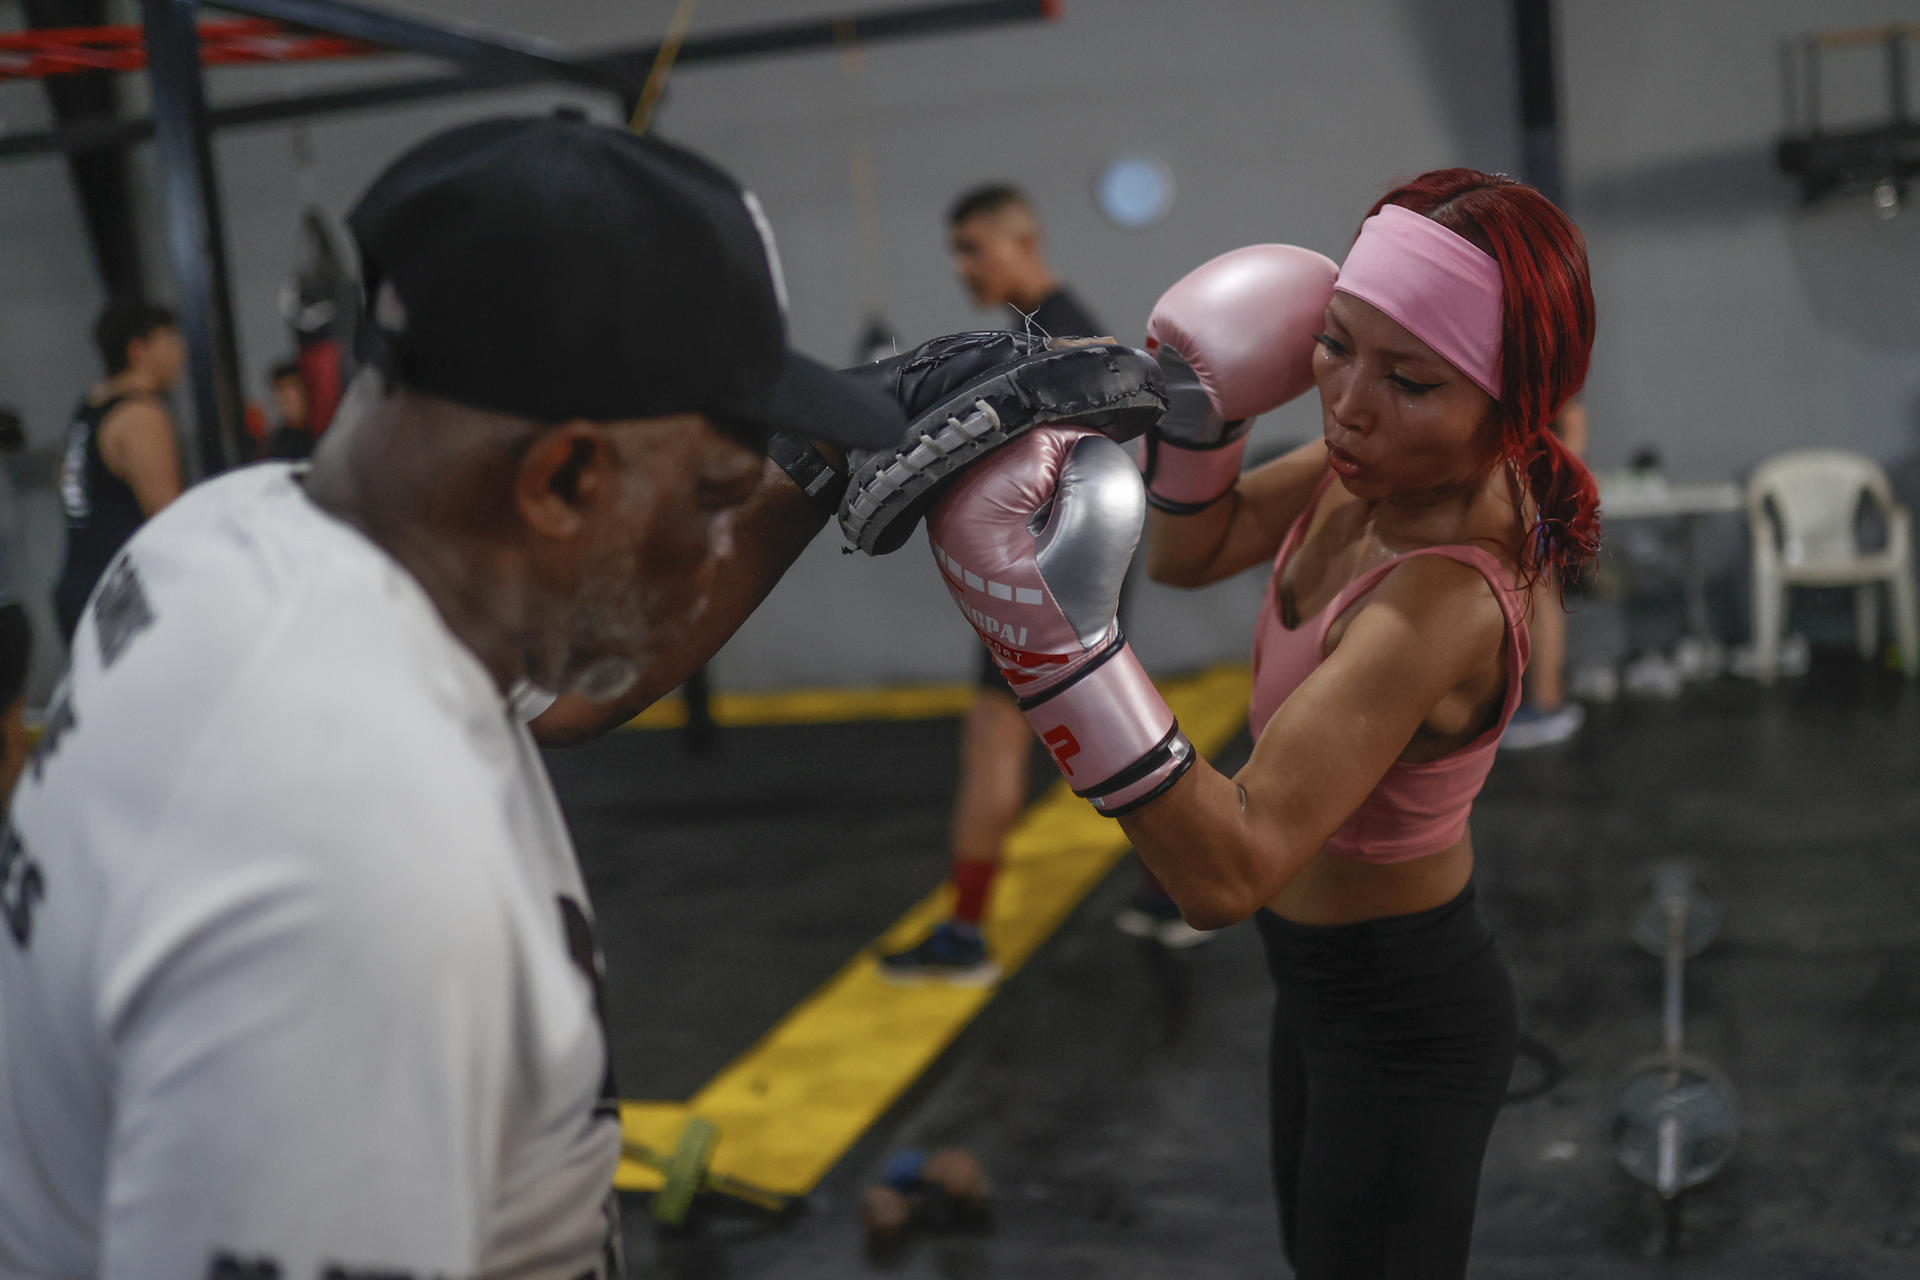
x=1387, y=661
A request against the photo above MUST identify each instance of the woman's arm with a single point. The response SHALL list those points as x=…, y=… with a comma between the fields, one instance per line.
x=1224, y=847
x=1241, y=530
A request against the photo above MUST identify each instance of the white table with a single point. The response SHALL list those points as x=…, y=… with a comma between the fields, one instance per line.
x=1626, y=496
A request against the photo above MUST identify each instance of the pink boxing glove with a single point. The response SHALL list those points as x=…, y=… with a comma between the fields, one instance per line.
x=1034, y=541
x=1234, y=338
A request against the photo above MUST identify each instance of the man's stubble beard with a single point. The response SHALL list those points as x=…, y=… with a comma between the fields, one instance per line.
x=617, y=634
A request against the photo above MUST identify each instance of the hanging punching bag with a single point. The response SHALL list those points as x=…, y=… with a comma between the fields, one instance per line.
x=319, y=301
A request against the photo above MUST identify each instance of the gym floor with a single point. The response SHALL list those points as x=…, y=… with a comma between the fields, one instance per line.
x=1115, y=1093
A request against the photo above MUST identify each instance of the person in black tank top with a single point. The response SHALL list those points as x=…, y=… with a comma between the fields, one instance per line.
x=995, y=236
x=120, y=463
x=16, y=631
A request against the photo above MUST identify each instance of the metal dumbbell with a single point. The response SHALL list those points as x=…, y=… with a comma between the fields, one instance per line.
x=1676, y=1119
x=688, y=1172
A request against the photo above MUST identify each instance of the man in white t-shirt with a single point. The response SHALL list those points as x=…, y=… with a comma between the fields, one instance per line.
x=297, y=974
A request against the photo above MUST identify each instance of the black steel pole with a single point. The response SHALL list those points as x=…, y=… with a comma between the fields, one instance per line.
x=474, y=47
x=629, y=65
x=1539, y=100
x=101, y=179
x=1897, y=74
x=196, y=242
x=1811, y=84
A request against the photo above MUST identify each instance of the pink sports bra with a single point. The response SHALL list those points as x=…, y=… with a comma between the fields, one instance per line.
x=1418, y=809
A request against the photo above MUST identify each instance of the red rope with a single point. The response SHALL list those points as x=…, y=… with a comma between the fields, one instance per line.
x=30, y=55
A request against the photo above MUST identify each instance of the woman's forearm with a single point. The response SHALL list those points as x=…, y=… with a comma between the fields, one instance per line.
x=1217, y=863
x=1180, y=548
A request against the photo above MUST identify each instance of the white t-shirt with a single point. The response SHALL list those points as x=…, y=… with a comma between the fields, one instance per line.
x=296, y=972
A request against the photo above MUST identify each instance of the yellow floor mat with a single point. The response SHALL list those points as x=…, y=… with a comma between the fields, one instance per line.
x=816, y=706
x=790, y=1106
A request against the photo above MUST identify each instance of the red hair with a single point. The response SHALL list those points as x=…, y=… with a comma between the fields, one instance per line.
x=1546, y=338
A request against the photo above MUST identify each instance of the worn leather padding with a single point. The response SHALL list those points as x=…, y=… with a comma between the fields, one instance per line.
x=1115, y=390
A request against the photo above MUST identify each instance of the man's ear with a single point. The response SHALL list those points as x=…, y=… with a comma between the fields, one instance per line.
x=562, y=477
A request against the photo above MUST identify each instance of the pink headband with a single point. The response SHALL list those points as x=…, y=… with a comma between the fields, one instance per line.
x=1440, y=286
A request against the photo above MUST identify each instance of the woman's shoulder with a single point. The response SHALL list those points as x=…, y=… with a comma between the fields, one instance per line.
x=1457, y=587
x=1455, y=568
x=1485, y=548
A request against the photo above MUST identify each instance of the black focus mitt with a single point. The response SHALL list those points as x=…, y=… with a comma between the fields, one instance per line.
x=969, y=393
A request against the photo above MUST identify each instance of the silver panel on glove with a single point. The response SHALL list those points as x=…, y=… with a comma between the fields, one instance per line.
x=1092, y=530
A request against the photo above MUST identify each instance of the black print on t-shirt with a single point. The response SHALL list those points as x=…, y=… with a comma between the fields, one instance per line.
x=586, y=957
x=613, y=1259
x=585, y=952
x=22, y=886
x=120, y=611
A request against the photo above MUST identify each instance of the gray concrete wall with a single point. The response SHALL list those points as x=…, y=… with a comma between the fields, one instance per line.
x=1734, y=323
x=1251, y=103
x=1281, y=122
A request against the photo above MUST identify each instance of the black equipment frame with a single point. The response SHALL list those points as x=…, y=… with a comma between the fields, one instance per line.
x=1828, y=162
x=182, y=123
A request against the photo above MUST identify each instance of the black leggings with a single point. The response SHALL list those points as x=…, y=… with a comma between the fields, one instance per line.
x=1393, y=1041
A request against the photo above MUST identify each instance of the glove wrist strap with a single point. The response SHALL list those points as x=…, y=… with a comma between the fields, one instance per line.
x=1183, y=480
x=1111, y=733
x=808, y=468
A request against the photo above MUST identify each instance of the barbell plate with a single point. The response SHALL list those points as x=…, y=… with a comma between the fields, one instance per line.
x=1649, y=926
x=1696, y=1104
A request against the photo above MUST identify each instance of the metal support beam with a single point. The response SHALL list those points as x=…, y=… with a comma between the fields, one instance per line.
x=857, y=28
x=1811, y=63
x=474, y=47
x=101, y=182
x=630, y=64
x=196, y=241
x=1855, y=159
x=1883, y=158
x=1539, y=99
x=1897, y=75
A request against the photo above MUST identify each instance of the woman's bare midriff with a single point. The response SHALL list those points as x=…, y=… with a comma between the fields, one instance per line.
x=1332, y=889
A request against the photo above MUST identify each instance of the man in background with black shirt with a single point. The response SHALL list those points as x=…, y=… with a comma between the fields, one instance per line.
x=121, y=462
x=995, y=238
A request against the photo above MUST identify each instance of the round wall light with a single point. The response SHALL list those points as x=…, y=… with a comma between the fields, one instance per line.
x=1134, y=190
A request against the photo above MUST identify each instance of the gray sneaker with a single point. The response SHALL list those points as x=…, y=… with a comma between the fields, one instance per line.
x=1532, y=727
x=1154, y=917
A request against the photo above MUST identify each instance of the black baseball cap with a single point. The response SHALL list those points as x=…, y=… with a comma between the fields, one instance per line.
x=553, y=268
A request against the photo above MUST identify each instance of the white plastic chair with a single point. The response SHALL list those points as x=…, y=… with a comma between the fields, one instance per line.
x=1802, y=509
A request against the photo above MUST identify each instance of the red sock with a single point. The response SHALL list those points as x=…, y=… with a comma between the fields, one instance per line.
x=972, y=882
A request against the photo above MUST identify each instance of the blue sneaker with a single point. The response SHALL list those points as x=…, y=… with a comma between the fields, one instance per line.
x=954, y=953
